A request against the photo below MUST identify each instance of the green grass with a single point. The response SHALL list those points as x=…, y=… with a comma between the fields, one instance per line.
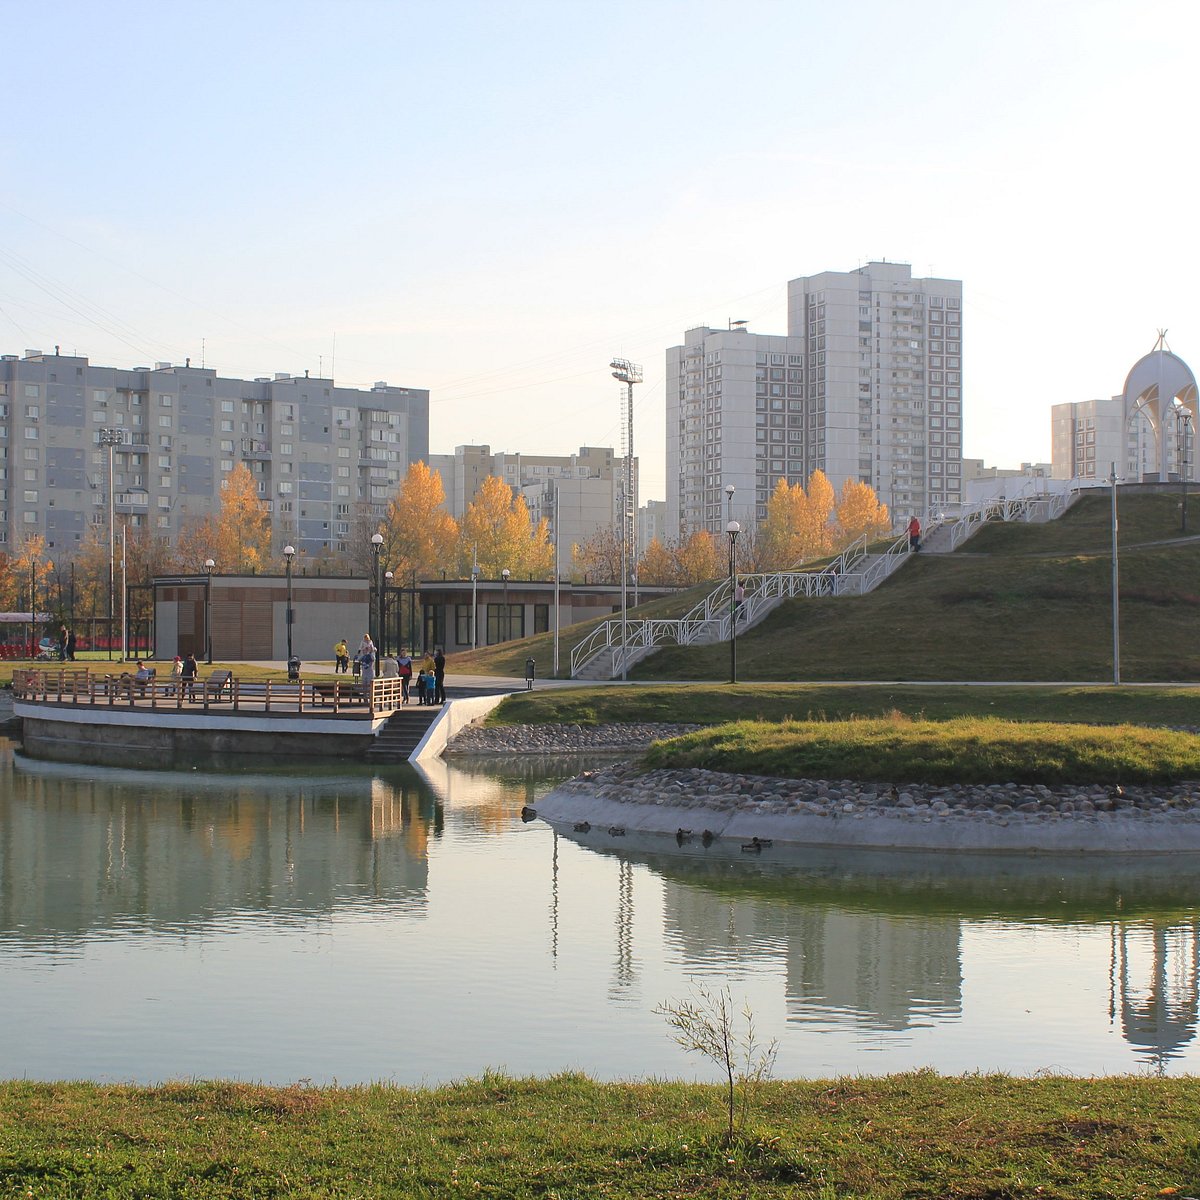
x=966, y=750
x=896, y=1138
x=1017, y=602
x=713, y=704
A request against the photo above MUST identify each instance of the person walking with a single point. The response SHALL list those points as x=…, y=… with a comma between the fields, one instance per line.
x=439, y=676
x=341, y=657
x=404, y=665
x=70, y=645
x=914, y=535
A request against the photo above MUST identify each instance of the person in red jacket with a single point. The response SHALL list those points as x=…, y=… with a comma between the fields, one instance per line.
x=914, y=535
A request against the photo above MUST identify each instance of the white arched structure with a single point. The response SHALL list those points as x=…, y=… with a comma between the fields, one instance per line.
x=1159, y=388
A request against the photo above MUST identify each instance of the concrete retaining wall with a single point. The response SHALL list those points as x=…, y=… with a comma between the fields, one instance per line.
x=139, y=739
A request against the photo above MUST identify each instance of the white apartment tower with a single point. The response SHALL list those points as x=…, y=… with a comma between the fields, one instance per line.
x=867, y=385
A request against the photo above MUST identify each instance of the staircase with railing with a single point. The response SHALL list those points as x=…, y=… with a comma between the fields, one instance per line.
x=616, y=645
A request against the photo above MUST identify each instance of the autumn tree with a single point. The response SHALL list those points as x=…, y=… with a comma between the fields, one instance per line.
x=698, y=558
x=497, y=528
x=598, y=560
x=797, y=528
x=658, y=565
x=238, y=536
x=419, y=534
x=27, y=571
x=859, y=512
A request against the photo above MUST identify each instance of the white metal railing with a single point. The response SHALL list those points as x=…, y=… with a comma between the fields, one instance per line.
x=708, y=620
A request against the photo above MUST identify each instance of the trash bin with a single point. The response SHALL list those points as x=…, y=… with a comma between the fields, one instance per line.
x=530, y=674
x=293, y=669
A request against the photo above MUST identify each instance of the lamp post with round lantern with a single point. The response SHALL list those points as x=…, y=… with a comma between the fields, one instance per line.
x=507, y=626
x=209, y=564
x=376, y=546
x=289, y=552
x=733, y=529
x=388, y=576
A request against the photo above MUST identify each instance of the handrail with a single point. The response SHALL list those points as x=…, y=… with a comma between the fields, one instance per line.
x=708, y=620
x=83, y=687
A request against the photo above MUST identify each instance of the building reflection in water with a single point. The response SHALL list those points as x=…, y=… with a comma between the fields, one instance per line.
x=85, y=850
x=1154, y=988
x=882, y=950
x=886, y=972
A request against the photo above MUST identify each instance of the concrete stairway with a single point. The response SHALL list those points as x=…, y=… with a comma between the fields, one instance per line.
x=399, y=735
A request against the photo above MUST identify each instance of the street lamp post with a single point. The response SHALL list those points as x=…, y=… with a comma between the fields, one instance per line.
x=208, y=568
x=289, y=552
x=733, y=529
x=388, y=576
x=111, y=438
x=376, y=546
x=1183, y=422
x=507, y=627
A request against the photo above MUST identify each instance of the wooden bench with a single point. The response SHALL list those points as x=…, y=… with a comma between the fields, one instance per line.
x=322, y=693
x=217, y=684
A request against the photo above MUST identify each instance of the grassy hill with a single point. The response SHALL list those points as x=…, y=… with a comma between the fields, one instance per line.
x=1016, y=602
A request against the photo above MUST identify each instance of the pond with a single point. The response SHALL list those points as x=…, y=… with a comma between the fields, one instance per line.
x=359, y=926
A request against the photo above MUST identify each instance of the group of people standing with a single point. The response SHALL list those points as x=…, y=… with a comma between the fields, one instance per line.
x=430, y=681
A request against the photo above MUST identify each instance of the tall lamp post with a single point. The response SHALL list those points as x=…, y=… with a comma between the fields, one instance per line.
x=507, y=627
x=376, y=546
x=208, y=568
x=1183, y=420
x=289, y=552
x=388, y=576
x=111, y=438
x=733, y=529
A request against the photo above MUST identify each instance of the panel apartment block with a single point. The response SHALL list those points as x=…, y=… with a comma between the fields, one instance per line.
x=867, y=385
x=319, y=453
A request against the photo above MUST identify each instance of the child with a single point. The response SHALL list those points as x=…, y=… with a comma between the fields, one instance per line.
x=430, y=688
x=421, y=686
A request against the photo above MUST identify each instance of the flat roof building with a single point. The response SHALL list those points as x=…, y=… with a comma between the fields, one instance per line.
x=319, y=453
x=867, y=385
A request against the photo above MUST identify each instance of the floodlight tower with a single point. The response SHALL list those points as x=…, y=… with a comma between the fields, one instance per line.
x=628, y=373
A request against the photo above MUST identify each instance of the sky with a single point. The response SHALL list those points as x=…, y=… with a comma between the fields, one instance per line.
x=492, y=200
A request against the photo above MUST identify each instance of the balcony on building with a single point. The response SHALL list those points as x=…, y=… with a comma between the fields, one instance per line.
x=256, y=450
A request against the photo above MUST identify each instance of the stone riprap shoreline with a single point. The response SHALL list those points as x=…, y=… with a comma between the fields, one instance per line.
x=570, y=739
x=700, y=805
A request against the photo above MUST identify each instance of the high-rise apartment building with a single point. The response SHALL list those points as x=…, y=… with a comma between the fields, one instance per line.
x=320, y=454
x=867, y=385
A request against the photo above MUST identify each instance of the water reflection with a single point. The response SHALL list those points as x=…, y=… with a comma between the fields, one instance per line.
x=1154, y=987
x=875, y=938
x=462, y=937
x=84, y=849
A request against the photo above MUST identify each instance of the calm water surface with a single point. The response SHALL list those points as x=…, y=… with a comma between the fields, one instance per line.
x=353, y=927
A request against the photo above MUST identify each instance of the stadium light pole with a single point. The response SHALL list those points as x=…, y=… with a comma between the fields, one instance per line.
x=111, y=438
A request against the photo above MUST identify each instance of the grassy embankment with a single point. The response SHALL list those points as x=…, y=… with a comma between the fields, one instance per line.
x=967, y=750
x=1016, y=602
x=897, y=1138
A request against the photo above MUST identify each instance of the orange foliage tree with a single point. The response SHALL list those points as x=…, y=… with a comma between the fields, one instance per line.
x=498, y=529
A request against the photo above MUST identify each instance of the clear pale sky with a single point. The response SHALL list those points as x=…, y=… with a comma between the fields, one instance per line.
x=491, y=200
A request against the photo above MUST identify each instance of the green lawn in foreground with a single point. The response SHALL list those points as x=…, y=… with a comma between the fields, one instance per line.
x=713, y=704
x=903, y=1137
x=966, y=750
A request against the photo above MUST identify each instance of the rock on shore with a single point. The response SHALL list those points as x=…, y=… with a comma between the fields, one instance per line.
x=1008, y=816
x=544, y=739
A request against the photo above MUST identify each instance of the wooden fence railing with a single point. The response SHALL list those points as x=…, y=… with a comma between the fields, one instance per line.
x=219, y=691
